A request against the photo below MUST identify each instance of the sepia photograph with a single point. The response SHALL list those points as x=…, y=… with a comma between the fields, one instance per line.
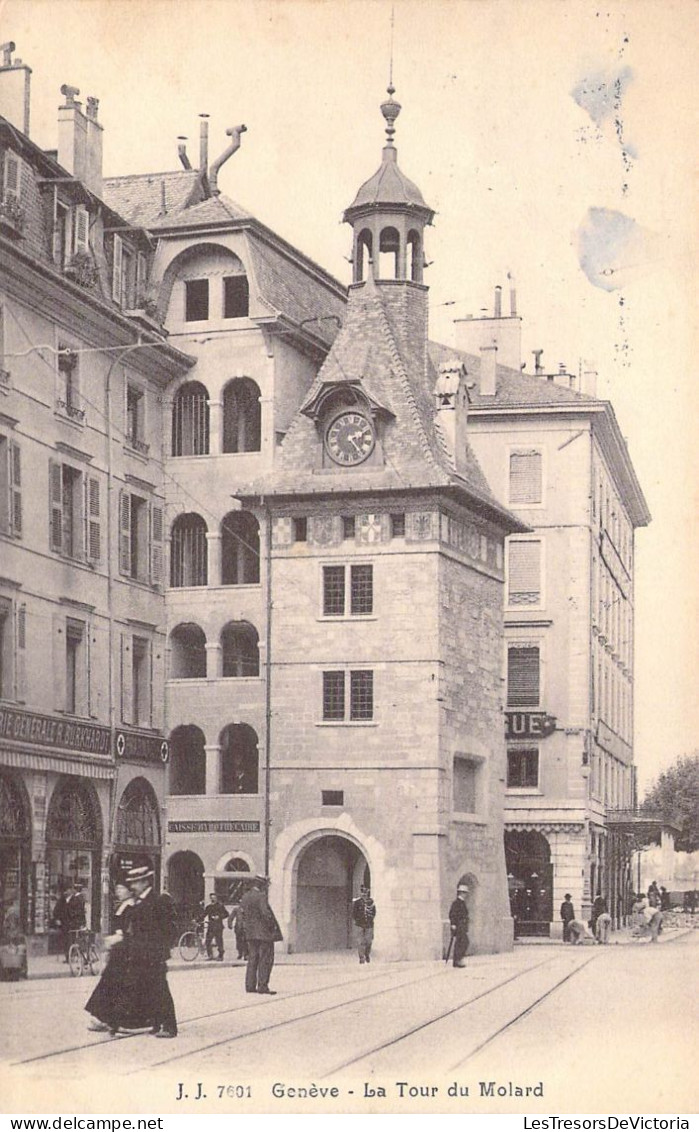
x=348, y=544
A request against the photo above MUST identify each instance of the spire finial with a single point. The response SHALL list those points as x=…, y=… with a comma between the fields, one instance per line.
x=390, y=109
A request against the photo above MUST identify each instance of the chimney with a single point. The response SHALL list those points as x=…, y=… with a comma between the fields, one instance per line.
x=15, y=82
x=513, y=296
x=589, y=382
x=472, y=334
x=451, y=398
x=80, y=139
x=538, y=368
x=182, y=152
x=203, y=143
x=234, y=133
x=489, y=359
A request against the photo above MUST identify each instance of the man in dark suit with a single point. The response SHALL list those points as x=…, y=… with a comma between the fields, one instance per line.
x=261, y=932
x=148, y=949
x=458, y=919
x=74, y=914
x=214, y=914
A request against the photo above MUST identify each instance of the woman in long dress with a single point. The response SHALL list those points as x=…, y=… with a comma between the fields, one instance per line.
x=117, y=1002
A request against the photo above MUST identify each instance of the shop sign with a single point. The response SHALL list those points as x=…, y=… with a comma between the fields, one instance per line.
x=137, y=747
x=529, y=724
x=213, y=827
x=47, y=731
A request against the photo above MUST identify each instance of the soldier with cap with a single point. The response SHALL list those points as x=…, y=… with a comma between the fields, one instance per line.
x=363, y=915
x=458, y=919
x=261, y=932
x=148, y=949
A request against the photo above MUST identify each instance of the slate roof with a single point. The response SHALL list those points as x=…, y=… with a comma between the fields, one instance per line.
x=366, y=353
x=139, y=197
x=514, y=388
x=388, y=186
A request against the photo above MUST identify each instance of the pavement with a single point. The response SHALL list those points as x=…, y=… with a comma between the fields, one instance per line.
x=53, y=966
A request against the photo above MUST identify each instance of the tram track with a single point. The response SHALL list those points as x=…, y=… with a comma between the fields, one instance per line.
x=306, y=1016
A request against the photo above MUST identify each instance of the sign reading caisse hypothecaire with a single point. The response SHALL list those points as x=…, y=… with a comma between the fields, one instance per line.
x=529, y=724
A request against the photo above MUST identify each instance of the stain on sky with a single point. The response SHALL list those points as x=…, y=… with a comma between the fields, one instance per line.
x=611, y=246
x=601, y=94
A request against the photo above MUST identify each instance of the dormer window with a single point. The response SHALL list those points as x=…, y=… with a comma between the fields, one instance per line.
x=236, y=302
x=196, y=308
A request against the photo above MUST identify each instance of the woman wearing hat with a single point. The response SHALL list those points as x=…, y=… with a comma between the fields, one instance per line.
x=148, y=950
x=116, y=1002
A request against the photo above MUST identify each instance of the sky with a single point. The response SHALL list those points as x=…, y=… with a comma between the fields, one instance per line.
x=555, y=141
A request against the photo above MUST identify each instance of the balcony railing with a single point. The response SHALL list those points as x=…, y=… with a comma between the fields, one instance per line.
x=71, y=411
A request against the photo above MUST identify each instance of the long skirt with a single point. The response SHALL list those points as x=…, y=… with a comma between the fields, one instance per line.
x=118, y=999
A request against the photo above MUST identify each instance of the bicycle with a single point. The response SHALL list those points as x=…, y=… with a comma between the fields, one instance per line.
x=83, y=953
x=191, y=943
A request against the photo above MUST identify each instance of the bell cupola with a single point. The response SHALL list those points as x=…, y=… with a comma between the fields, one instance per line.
x=388, y=216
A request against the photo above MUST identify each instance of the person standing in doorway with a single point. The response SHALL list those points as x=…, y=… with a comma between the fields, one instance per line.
x=214, y=914
x=458, y=918
x=567, y=915
x=363, y=916
x=148, y=935
x=261, y=933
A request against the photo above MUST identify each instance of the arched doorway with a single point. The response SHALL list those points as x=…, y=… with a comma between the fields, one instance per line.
x=232, y=881
x=74, y=842
x=329, y=872
x=185, y=883
x=530, y=881
x=137, y=839
x=14, y=856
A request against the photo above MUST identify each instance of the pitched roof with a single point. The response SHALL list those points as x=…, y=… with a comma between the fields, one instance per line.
x=514, y=388
x=144, y=199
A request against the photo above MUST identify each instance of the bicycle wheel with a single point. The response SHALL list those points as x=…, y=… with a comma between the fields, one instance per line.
x=94, y=959
x=189, y=946
x=75, y=959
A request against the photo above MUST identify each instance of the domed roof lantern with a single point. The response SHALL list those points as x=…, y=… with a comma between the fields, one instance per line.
x=389, y=187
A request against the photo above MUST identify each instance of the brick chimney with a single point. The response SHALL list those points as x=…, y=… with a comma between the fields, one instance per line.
x=488, y=385
x=80, y=139
x=15, y=81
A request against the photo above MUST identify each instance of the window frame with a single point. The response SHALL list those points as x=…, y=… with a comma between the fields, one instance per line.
x=541, y=602
x=191, y=302
x=10, y=486
x=526, y=450
x=520, y=644
x=519, y=788
x=346, y=715
x=348, y=591
x=477, y=762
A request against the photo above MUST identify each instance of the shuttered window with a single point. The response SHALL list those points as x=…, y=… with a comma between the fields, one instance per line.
x=524, y=573
x=525, y=476
x=69, y=506
x=11, y=175
x=81, y=229
x=523, y=676
x=117, y=268
x=10, y=488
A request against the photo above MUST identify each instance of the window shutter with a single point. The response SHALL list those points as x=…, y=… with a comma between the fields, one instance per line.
x=141, y=274
x=523, y=676
x=125, y=533
x=81, y=229
x=59, y=662
x=156, y=544
x=21, y=654
x=15, y=490
x=12, y=179
x=525, y=477
x=524, y=573
x=117, y=251
x=157, y=653
x=92, y=512
x=56, y=506
x=126, y=679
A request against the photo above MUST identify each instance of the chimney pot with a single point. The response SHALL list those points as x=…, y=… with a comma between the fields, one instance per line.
x=203, y=143
x=498, y=302
x=7, y=49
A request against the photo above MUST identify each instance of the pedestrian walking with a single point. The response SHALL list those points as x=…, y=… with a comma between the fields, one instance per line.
x=363, y=916
x=567, y=915
x=148, y=950
x=458, y=919
x=117, y=1002
x=235, y=921
x=214, y=914
x=261, y=933
x=654, y=895
x=664, y=899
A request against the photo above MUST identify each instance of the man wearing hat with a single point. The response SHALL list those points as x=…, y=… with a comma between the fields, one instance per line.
x=458, y=918
x=363, y=915
x=261, y=932
x=148, y=945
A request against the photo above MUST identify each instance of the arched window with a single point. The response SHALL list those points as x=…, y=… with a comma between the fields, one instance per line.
x=415, y=254
x=242, y=420
x=190, y=420
x=240, y=549
x=364, y=255
x=138, y=820
x=72, y=818
x=230, y=891
x=187, y=761
x=389, y=254
x=188, y=553
x=187, y=652
x=239, y=760
x=240, y=646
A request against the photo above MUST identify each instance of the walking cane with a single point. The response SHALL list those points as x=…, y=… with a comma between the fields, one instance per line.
x=451, y=944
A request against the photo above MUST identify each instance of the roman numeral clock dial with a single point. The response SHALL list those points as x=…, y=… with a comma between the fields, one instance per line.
x=350, y=439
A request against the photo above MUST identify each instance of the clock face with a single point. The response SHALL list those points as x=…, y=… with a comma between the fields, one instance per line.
x=350, y=438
